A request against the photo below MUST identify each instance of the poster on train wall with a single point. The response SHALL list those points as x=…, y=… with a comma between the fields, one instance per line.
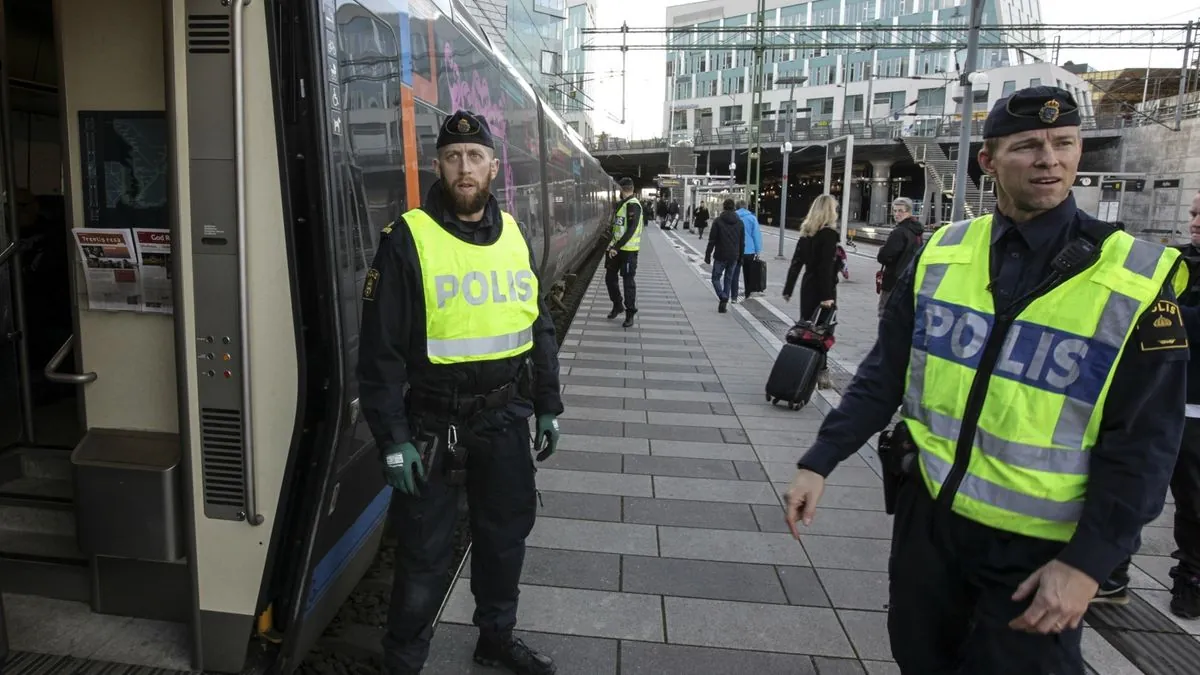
x=154, y=257
x=110, y=268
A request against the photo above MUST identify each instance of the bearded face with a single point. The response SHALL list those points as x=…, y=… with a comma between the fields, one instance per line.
x=466, y=171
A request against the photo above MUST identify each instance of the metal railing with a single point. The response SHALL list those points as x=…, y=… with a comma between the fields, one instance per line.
x=51, y=371
x=887, y=129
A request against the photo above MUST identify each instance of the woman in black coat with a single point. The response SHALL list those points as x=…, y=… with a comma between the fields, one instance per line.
x=818, y=288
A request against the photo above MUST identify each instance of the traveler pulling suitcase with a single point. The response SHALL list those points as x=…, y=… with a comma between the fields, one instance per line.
x=794, y=376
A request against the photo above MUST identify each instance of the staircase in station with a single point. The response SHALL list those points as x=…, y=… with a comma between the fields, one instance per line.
x=940, y=169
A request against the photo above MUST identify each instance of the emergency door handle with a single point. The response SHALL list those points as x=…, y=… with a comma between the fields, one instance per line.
x=239, y=164
x=51, y=371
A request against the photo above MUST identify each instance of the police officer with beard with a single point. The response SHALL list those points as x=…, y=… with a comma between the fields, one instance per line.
x=1041, y=362
x=457, y=351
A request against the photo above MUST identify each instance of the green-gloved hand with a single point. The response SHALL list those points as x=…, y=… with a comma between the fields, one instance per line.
x=547, y=429
x=402, y=463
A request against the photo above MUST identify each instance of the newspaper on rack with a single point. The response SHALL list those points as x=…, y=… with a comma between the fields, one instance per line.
x=110, y=268
x=154, y=256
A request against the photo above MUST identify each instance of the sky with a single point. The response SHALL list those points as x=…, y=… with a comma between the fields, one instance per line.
x=645, y=78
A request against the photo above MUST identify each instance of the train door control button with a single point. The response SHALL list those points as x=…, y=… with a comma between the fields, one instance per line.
x=228, y=374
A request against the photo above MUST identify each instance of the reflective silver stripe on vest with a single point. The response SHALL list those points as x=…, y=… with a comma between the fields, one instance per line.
x=1143, y=258
x=955, y=232
x=1066, y=461
x=479, y=346
x=1002, y=497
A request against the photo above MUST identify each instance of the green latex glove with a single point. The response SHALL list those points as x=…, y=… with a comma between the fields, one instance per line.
x=402, y=463
x=547, y=430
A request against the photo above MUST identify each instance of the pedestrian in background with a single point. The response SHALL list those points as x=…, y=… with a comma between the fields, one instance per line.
x=725, y=245
x=702, y=216
x=901, y=245
x=750, y=268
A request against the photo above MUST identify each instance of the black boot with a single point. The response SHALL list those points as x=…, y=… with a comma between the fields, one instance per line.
x=1185, y=594
x=514, y=655
x=617, y=309
x=629, y=318
x=722, y=307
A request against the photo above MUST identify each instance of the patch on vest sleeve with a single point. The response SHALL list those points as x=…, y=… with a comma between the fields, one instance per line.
x=371, y=283
x=1162, y=328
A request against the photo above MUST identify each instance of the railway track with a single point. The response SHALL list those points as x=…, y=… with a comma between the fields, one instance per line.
x=350, y=645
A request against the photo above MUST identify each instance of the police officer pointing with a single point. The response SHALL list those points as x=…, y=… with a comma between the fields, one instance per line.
x=621, y=256
x=1040, y=360
x=452, y=312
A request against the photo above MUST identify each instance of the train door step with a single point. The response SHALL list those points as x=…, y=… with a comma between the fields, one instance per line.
x=28, y=663
x=39, y=553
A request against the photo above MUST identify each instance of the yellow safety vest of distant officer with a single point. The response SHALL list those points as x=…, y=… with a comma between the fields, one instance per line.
x=1041, y=415
x=480, y=302
x=628, y=221
x=621, y=222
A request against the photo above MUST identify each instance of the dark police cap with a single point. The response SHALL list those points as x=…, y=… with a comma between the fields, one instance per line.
x=465, y=126
x=625, y=182
x=1032, y=108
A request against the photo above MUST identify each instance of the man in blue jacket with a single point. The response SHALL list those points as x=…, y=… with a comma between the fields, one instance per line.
x=1185, y=479
x=751, y=269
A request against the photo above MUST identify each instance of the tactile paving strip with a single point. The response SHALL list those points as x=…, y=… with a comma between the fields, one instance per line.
x=25, y=663
x=1146, y=637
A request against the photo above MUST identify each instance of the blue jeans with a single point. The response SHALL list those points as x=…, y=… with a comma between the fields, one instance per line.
x=725, y=278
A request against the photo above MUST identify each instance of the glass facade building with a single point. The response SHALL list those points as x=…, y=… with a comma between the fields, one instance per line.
x=530, y=33
x=710, y=84
x=574, y=98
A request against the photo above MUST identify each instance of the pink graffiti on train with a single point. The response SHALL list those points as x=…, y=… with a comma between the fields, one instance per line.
x=476, y=96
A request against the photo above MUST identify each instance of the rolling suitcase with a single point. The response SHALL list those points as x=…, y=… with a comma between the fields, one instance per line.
x=760, y=276
x=794, y=376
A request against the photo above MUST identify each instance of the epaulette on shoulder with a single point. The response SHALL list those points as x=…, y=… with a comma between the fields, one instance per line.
x=388, y=229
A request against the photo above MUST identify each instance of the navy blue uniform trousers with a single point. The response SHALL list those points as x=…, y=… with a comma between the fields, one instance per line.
x=950, y=596
x=502, y=499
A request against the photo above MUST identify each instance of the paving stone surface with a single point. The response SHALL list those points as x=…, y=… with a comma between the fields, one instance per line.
x=660, y=544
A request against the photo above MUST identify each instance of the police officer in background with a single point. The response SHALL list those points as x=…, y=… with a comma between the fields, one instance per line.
x=1041, y=362
x=452, y=312
x=622, y=254
x=1185, y=479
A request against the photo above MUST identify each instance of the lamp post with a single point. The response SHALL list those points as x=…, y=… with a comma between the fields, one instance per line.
x=787, y=156
x=733, y=125
x=969, y=78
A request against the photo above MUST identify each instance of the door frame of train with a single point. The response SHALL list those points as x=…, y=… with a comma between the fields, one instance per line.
x=10, y=254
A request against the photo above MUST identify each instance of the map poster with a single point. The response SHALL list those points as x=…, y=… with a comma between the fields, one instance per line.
x=154, y=258
x=110, y=268
x=124, y=168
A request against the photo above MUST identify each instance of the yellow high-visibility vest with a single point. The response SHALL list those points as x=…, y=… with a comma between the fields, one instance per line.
x=620, y=222
x=1043, y=402
x=480, y=301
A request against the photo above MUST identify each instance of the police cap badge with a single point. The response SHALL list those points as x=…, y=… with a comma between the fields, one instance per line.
x=465, y=126
x=1032, y=108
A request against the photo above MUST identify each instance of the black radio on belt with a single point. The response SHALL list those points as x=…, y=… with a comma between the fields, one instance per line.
x=897, y=452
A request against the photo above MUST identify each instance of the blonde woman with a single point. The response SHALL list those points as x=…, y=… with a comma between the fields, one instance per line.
x=818, y=287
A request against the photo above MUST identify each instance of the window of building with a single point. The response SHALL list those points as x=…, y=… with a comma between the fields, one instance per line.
x=683, y=88
x=679, y=120
x=854, y=106
x=733, y=84
x=893, y=8
x=822, y=108
x=859, y=11
x=670, y=67
x=827, y=16
x=931, y=101
x=551, y=62
x=1035, y=81
x=730, y=113
x=1009, y=87
x=706, y=88
x=553, y=7
x=822, y=75
x=889, y=101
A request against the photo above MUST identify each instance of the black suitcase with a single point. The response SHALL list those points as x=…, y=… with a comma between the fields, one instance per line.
x=759, y=276
x=794, y=375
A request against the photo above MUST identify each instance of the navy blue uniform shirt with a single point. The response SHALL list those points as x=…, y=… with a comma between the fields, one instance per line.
x=1132, y=461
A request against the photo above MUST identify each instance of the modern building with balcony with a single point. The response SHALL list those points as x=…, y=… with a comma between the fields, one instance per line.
x=574, y=94
x=895, y=90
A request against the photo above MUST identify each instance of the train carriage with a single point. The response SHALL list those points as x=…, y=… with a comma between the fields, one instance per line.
x=189, y=450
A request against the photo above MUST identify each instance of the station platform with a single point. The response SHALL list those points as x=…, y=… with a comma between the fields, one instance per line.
x=660, y=546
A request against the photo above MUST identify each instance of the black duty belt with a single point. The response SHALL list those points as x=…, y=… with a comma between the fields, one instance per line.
x=461, y=406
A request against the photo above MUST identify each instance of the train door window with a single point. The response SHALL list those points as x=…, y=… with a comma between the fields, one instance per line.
x=366, y=148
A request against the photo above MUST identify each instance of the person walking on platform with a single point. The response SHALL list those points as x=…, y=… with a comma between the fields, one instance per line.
x=753, y=248
x=452, y=312
x=672, y=215
x=818, y=287
x=726, y=242
x=1185, y=479
x=901, y=245
x=702, y=216
x=622, y=254
x=1041, y=363
x=660, y=210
